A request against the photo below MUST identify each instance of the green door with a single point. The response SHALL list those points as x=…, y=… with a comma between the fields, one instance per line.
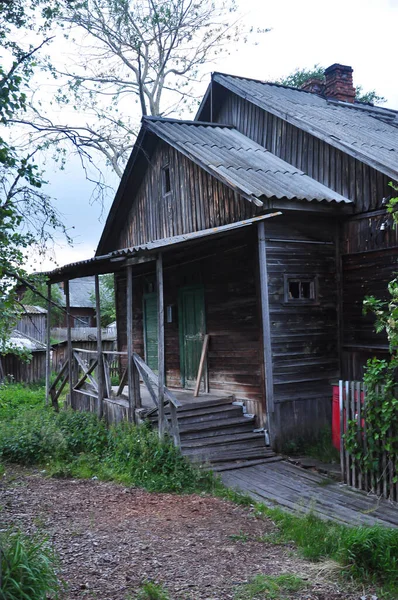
x=151, y=331
x=192, y=330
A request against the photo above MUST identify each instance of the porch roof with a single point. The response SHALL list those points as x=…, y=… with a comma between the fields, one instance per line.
x=113, y=261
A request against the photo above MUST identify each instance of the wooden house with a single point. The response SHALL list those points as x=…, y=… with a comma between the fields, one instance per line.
x=14, y=368
x=81, y=310
x=33, y=322
x=261, y=224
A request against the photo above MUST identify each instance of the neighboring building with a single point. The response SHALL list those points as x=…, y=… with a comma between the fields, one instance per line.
x=82, y=306
x=281, y=298
x=84, y=338
x=33, y=322
x=13, y=367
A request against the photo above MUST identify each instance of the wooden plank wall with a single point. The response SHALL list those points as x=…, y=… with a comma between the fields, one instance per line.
x=304, y=338
x=228, y=271
x=369, y=245
x=335, y=169
x=197, y=201
x=24, y=372
x=33, y=325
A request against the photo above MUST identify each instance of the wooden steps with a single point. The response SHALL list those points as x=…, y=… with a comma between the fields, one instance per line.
x=219, y=435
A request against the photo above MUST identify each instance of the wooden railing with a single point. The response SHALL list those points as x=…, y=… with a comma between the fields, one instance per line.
x=151, y=382
x=86, y=383
x=383, y=478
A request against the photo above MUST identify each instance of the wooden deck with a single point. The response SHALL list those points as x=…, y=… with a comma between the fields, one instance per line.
x=298, y=490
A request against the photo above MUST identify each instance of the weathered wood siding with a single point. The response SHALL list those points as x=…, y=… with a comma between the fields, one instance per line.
x=228, y=271
x=33, y=325
x=369, y=261
x=304, y=337
x=197, y=201
x=23, y=372
x=321, y=161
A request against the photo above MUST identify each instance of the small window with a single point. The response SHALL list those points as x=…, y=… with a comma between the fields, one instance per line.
x=166, y=181
x=300, y=290
x=82, y=321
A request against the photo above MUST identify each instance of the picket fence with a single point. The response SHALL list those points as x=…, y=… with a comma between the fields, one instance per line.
x=382, y=480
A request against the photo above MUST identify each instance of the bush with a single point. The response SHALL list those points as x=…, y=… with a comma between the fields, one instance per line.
x=78, y=444
x=141, y=458
x=27, y=568
x=41, y=435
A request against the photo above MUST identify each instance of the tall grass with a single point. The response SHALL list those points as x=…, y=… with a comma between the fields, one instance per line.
x=78, y=444
x=27, y=568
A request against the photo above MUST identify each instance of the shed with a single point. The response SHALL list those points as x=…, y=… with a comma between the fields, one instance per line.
x=13, y=367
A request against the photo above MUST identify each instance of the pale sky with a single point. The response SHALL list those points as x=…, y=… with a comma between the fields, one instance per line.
x=359, y=33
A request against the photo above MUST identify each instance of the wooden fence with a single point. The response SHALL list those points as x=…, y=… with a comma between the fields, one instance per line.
x=85, y=392
x=382, y=478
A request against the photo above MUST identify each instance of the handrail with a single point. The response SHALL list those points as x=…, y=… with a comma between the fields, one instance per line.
x=153, y=378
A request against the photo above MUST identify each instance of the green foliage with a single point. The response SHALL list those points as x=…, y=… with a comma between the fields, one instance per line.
x=152, y=591
x=380, y=412
x=300, y=76
x=271, y=587
x=367, y=553
x=40, y=299
x=107, y=299
x=317, y=446
x=27, y=216
x=17, y=398
x=136, y=455
x=78, y=444
x=28, y=568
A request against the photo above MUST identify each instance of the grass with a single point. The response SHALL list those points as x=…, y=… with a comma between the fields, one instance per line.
x=152, y=591
x=79, y=445
x=28, y=568
x=270, y=587
x=319, y=447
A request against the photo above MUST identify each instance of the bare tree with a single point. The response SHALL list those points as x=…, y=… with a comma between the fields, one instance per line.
x=145, y=52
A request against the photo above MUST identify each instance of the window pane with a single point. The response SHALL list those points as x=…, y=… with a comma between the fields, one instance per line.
x=294, y=289
x=306, y=290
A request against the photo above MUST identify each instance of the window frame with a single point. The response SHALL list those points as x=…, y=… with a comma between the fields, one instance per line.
x=313, y=281
x=166, y=179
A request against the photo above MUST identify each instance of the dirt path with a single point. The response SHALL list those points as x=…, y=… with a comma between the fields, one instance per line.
x=111, y=539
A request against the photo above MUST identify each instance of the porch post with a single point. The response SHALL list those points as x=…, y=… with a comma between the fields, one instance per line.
x=130, y=361
x=100, y=356
x=267, y=353
x=69, y=341
x=161, y=370
x=48, y=344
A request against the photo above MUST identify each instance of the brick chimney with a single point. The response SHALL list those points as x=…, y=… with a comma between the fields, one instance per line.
x=338, y=83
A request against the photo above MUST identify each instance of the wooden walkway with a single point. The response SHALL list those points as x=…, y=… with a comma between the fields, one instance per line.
x=298, y=490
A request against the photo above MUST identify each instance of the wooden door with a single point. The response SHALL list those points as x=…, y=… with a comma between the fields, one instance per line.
x=151, y=331
x=192, y=330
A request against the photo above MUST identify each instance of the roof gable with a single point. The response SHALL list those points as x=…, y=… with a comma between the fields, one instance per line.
x=233, y=159
x=241, y=163
x=367, y=133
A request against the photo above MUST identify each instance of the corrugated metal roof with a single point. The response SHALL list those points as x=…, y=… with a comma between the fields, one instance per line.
x=29, y=309
x=92, y=264
x=21, y=341
x=81, y=292
x=368, y=133
x=241, y=162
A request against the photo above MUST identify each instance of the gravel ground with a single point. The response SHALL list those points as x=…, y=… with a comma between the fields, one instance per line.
x=111, y=539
